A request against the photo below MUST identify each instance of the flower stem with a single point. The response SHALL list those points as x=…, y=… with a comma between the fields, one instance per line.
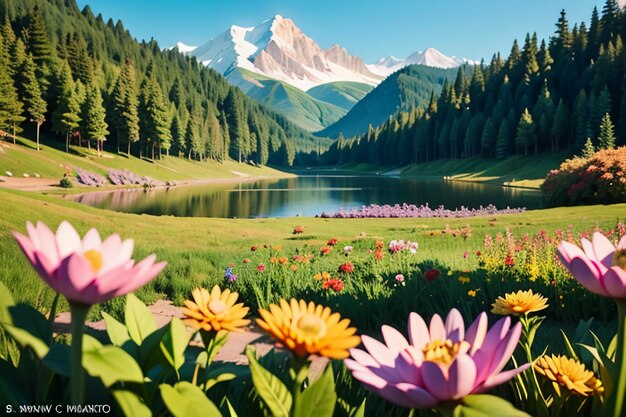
x=300, y=373
x=77, y=375
x=615, y=403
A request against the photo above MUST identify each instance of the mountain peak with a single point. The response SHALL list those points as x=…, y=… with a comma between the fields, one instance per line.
x=431, y=57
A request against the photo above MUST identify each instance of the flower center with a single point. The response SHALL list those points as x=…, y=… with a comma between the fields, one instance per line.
x=217, y=306
x=95, y=259
x=443, y=352
x=619, y=258
x=311, y=325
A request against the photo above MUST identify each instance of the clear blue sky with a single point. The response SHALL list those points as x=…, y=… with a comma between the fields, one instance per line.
x=371, y=29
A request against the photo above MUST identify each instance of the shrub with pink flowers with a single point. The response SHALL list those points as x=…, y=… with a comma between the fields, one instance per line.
x=412, y=211
x=599, y=179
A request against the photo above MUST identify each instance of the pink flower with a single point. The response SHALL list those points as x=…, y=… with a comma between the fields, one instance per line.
x=89, y=271
x=400, y=278
x=599, y=266
x=439, y=363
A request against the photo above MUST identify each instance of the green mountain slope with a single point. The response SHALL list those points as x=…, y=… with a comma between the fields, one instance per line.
x=409, y=87
x=344, y=94
x=296, y=105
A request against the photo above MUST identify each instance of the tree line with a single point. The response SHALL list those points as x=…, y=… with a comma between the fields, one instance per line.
x=568, y=93
x=69, y=75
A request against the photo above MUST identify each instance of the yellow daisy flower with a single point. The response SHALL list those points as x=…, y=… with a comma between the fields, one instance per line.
x=568, y=373
x=308, y=329
x=518, y=303
x=215, y=311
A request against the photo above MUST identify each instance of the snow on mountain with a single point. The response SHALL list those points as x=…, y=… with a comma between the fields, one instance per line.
x=278, y=49
x=182, y=48
x=431, y=57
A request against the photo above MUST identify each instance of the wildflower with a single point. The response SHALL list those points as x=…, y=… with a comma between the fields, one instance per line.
x=570, y=374
x=379, y=254
x=346, y=268
x=347, y=250
x=379, y=244
x=400, y=278
x=260, y=268
x=478, y=253
x=472, y=293
x=464, y=279
x=331, y=242
x=232, y=278
x=509, y=260
x=215, y=311
x=283, y=260
x=334, y=284
x=298, y=230
x=323, y=275
x=601, y=267
x=86, y=272
x=396, y=246
x=246, y=260
x=232, y=264
x=325, y=250
x=273, y=260
x=521, y=302
x=412, y=247
x=254, y=248
x=294, y=267
x=465, y=255
x=439, y=363
x=308, y=329
x=432, y=274
x=277, y=248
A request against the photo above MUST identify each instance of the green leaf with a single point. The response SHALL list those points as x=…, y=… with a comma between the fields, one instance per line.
x=486, y=406
x=569, y=346
x=26, y=339
x=112, y=364
x=131, y=404
x=319, y=399
x=231, y=410
x=220, y=378
x=58, y=359
x=118, y=333
x=31, y=320
x=90, y=343
x=6, y=301
x=271, y=390
x=359, y=412
x=174, y=343
x=185, y=399
x=139, y=321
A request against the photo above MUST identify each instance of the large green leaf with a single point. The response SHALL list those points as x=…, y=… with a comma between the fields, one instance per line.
x=31, y=320
x=6, y=301
x=185, y=399
x=118, y=333
x=319, y=399
x=486, y=406
x=272, y=391
x=112, y=364
x=131, y=404
x=58, y=359
x=26, y=339
x=231, y=410
x=174, y=343
x=139, y=321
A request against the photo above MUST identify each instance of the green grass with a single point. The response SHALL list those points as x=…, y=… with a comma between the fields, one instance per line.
x=50, y=162
x=198, y=249
x=344, y=94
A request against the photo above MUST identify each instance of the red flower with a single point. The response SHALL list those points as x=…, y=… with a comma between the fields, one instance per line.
x=509, y=260
x=254, y=248
x=331, y=242
x=432, y=274
x=297, y=230
x=334, y=284
x=379, y=254
x=325, y=250
x=478, y=253
x=246, y=261
x=346, y=267
x=232, y=265
x=260, y=268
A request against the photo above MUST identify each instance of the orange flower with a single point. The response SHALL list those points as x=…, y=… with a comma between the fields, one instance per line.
x=283, y=260
x=346, y=267
x=324, y=275
x=246, y=260
x=277, y=248
x=379, y=244
x=379, y=254
x=254, y=248
x=274, y=260
x=325, y=250
x=298, y=229
x=215, y=311
x=294, y=267
x=334, y=284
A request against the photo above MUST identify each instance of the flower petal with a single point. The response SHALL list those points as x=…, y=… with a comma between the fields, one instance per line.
x=455, y=328
x=588, y=275
x=67, y=239
x=461, y=377
x=615, y=282
x=437, y=381
x=418, y=331
x=500, y=378
x=394, y=339
x=603, y=249
x=379, y=351
x=476, y=333
x=437, y=330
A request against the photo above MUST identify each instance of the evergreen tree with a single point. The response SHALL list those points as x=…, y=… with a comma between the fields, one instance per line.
x=126, y=107
x=560, y=126
x=502, y=142
x=488, y=139
x=562, y=43
x=588, y=149
x=606, y=140
x=526, y=132
x=155, y=129
x=38, y=41
x=66, y=117
x=11, y=108
x=94, y=126
x=34, y=104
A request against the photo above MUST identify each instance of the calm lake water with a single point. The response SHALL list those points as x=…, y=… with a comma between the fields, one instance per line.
x=307, y=196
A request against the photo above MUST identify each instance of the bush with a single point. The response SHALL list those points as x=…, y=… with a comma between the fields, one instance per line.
x=66, y=182
x=599, y=179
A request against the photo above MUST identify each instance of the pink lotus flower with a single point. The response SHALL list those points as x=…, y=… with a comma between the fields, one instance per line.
x=439, y=363
x=599, y=266
x=89, y=271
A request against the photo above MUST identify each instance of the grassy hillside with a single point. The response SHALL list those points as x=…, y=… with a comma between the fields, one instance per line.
x=344, y=94
x=23, y=158
x=403, y=90
x=299, y=107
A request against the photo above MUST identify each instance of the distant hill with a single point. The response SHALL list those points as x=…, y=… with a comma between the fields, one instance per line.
x=344, y=94
x=409, y=87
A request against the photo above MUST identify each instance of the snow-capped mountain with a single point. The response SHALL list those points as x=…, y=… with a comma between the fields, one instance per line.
x=430, y=57
x=278, y=49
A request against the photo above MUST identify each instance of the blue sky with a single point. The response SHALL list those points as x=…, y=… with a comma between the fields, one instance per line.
x=371, y=29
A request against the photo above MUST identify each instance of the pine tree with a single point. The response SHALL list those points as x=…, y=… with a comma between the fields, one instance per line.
x=588, y=149
x=560, y=126
x=502, y=143
x=94, y=126
x=66, y=116
x=562, y=43
x=155, y=128
x=526, y=132
x=38, y=40
x=34, y=103
x=488, y=139
x=11, y=108
x=126, y=107
x=606, y=140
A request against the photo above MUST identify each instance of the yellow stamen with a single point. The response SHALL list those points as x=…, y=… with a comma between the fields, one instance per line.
x=443, y=352
x=95, y=259
x=619, y=258
x=217, y=306
x=311, y=325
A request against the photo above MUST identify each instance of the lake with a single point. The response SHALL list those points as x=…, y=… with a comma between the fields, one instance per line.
x=307, y=196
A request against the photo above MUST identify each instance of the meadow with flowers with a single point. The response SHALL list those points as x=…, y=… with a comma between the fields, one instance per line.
x=498, y=314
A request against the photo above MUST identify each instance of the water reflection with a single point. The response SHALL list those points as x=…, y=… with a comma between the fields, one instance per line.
x=306, y=196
